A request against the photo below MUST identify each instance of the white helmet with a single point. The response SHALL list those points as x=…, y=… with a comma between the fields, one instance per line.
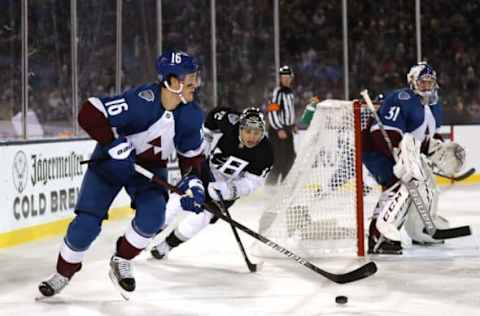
x=423, y=80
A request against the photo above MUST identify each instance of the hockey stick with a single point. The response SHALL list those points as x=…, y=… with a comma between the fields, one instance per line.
x=362, y=272
x=424, y=213
x=89, y=161
x=460, y=177
x=252, y=267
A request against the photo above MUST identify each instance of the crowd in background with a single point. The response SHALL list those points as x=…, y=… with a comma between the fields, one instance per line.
x=381, y=42
x=382, y=48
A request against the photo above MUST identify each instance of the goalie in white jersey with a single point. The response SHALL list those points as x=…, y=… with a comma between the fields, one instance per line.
x=411, y=118
x=239, y=160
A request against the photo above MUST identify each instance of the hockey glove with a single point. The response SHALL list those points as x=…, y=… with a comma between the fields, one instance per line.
x=194, y=195
x=448, y=157
x=121, y=165
x=409, y=165
x=227, y=189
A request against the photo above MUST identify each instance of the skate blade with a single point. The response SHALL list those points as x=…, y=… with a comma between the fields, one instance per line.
x=41, y=298
x=125, y=295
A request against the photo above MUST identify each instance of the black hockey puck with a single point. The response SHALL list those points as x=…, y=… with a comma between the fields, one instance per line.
x=341, y=299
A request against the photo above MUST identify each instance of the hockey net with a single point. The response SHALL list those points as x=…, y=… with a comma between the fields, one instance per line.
x=318, y=210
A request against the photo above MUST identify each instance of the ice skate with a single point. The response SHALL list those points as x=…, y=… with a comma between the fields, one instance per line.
x=161, y=250
x=377, y=244
x=383, y=246
x=121, y=274
x=53, y=285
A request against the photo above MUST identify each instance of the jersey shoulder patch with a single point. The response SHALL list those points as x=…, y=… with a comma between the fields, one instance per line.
x=233, y=118
x=221, y=119
x=147, y=95
x=403, y=95
x=143, y=94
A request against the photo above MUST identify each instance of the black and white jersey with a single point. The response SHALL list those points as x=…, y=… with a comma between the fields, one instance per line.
x=281, y=112
x=229, y=159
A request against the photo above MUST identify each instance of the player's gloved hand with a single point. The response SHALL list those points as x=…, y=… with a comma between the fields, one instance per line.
x=121, y=165
x=227, y=189
x=194, y=195
x=409, y=164
x=119, y=149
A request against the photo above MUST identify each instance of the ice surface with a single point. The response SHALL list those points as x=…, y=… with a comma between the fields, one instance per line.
x=207, y=276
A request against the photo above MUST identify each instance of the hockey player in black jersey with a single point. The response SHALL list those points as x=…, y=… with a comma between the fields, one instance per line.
x=239, y=159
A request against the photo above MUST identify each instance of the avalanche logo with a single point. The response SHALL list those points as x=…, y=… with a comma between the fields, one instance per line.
x=20, y=171
x=147, y=95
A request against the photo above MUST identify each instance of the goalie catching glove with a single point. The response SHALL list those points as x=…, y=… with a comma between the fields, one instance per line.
x=448, y=157
x=194, y=195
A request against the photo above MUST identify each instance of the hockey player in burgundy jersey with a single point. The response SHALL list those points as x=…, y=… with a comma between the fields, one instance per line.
x=143, y=125
x=411, y=117
x=240, y=158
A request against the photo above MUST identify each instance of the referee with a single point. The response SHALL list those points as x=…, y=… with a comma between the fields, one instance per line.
x=281, y=118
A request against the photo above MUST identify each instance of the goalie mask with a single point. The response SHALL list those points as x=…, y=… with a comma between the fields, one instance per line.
x=423, y=80
x=252, y=127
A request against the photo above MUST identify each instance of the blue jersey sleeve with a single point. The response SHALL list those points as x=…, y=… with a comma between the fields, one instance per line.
x=134, y=110
x=188, y=130
x=392, y=113
x=117, y=109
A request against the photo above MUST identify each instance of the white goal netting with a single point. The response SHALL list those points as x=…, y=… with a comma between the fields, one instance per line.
x=318, y=209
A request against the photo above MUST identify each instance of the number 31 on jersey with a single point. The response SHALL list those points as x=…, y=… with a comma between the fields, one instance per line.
x=393, y=113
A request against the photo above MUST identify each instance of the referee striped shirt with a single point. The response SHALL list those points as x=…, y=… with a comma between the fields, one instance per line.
x=281, y=112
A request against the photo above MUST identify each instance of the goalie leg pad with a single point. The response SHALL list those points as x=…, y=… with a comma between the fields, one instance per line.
x=414, y=225
x=415, y=228
x=392, y=209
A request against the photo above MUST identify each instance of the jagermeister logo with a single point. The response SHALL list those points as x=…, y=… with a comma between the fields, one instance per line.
x=20, y=171
x=46, y=169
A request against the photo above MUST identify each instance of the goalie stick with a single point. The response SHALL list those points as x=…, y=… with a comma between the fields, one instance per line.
x=252, y=267
x=430, y=228
x=362, y=272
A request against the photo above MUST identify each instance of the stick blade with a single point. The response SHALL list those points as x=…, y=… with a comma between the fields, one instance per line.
x=455, y=232
x=362, y=272
x=465, y=175
x=459, y=177
x=358, y=274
